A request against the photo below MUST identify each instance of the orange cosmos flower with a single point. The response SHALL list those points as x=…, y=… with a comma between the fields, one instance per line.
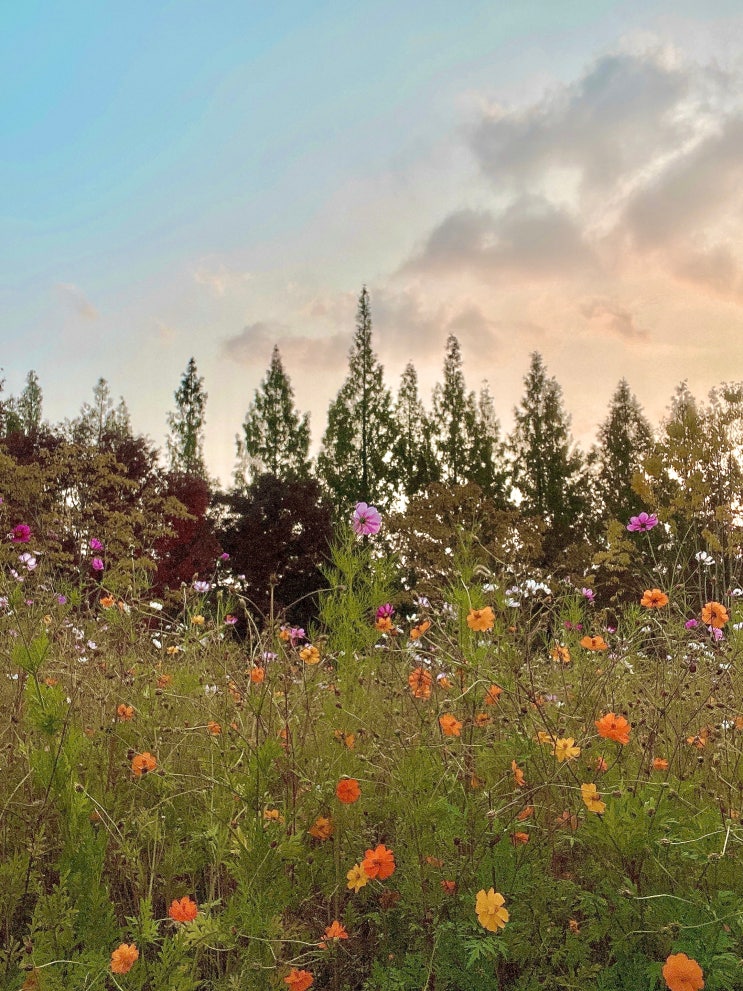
x=682, y=973
x=123, y=958
x=660, y=764
x=449, y=887
x=653, y=598
x=481, y=619
x=379, y=863
x=321, y=829
x=310, y=655
x=125, y=712
x=560, y=653
x=417, y=631
x=565, y=749
x=420, y=682
x=490, y=911
x=518, y=775
x=107, y=601
x=257, y=675
x=348, y=791
x=493, y=694
x=384, y=624
x=592, y=799
x=214, y=728
x=272, y=815
x=143, y=764
x=164, y=680
x=715, y=614
x=525, y=813
x=482, y=719
x=519, y=838
x=594, y=643
x=299, y=980
x=450, y=726
x=183, y=910
x=612, y=727
x=574, y=926
x=334, y=931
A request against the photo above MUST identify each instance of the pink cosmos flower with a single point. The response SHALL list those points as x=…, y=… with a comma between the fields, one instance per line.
x=642, y=523
x=691, y=624
x=385, y=611
x=96, y=564
x=95, y=544
x=224, y=556
x=588, y=593
x=20, y=534
x=366, y=520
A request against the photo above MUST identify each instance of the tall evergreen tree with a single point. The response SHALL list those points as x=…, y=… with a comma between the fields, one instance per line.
x=414, y=458
x=488, y=468
x=185, y=443
x=28, y=406
x=624, y=439
x=355, y=460
x=546, y=468
x=100, y=424
x=275, y=440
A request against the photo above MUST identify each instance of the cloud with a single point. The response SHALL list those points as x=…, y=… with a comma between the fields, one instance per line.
x=73, y=297
x=609, y=316
x=253, y=340
x=531, y=238
x=222, y=280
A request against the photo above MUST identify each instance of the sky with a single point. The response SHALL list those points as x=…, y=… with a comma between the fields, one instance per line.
x=211, y=179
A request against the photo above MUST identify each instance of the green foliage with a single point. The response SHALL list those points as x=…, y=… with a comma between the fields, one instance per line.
x=185, y=442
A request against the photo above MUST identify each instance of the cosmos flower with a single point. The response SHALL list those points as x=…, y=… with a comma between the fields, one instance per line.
x=123, y=958
x=642, y=523
x=183, y=910
x=490, y=912
x=366, y=520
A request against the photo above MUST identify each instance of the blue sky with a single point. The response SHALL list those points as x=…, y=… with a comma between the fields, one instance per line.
x=210, y=179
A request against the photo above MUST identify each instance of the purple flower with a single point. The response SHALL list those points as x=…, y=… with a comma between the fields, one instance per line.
x=230, y=620
x=96, y=564
x=691, y=624
x=642, y=523
x=385, y=611
x=224, y=556
x=588, y=593
x=366, y=520
x=202, y=587
x=94, y=544
x=62, y=600
x=717, y=634
x=20, y=534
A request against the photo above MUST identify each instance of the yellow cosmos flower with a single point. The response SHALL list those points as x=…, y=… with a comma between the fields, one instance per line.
x=592, y=799
x=357, y=878
x=489, y=908
x=565, y=749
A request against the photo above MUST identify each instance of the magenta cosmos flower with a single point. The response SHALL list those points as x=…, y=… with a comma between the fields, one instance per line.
x=97, y=564
x=642, y=523
x=20, y=534
x=366, y=519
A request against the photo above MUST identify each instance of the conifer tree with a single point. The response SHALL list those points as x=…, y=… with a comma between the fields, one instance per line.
x=414, y=458
x=28, y=406
x=185, y=444
x=546, y=468
x=355, y=460
x=275, y=440
x=624, y=439
x=488, y=468
x=100, y=424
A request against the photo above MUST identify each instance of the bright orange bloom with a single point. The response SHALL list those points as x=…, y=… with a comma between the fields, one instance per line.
x=299, y=980
x=594, y=643
x=322, y=828
x=518, y=775
x=560, y=653
x=107, y=601
x=334, y=931
x=592, y=799
x=565, y=749
x=450, y=726
x=310, y=655
x=525, y=813
x=682, y=973
x=164, y=680
x=482, y=719
x=348, y=791
x=420, y=682
x=384, y=624
x=481, y=619
x=143, y=764
x=379, y=863
x=272, y=815
x=124, y=712
x=214, y=728
x=519, y=838
x=347, y=739
x=660, y=764
x=183, y=910
x=257, y=675
x=123, y=958
x=449, y=887
x=493, y=694
x=612, y=727
x=715, y=614
x=417, y=631
x=700, y=740
x=490, y=911
x=653, y=598
x=51, y=682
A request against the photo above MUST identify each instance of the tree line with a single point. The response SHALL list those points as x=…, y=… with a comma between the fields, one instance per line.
x=553, y=504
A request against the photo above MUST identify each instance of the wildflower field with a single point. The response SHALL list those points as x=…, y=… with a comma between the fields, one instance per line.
x=499, y=781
